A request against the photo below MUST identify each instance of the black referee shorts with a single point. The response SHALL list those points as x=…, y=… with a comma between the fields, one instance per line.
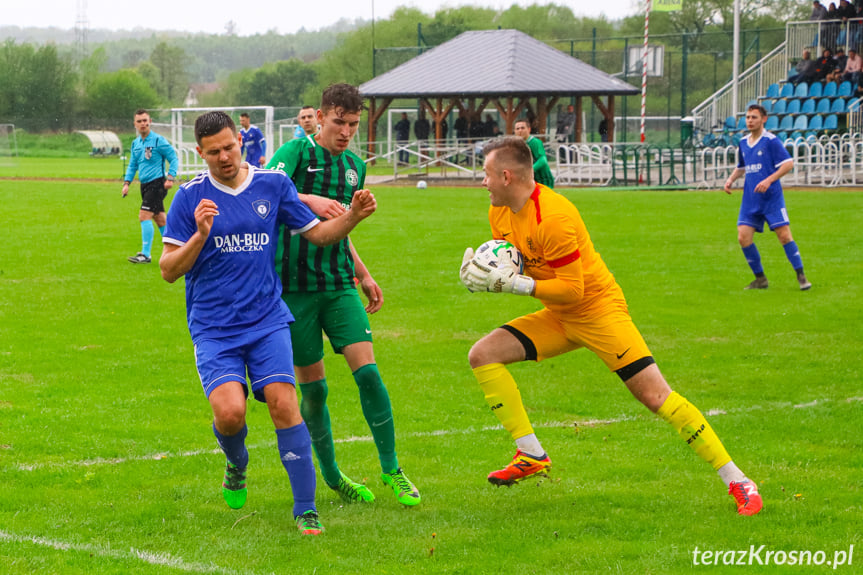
x=153, y=194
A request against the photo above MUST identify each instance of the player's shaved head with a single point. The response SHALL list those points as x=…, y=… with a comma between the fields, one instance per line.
x=212, y=123
x=511, y=153
x=343, y=98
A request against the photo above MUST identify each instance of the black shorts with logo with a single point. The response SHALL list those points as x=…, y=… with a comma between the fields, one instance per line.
x=153, y=195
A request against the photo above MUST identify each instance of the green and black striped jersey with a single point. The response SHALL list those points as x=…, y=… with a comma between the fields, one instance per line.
x=303, y=266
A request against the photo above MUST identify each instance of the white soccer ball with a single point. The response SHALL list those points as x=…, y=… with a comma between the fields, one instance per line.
x=421, y=185
x=499, y=254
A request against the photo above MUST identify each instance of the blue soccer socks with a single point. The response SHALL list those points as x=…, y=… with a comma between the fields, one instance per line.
x=753, y=258
x=295, y=451
x=793, y=255
x=147, y=233
x=234, y=446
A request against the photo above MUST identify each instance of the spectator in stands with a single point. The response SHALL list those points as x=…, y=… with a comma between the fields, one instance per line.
x=824, y=65
x=819, y=12
x=444, y=128
x=491, y=129
x=805, y=69
x=422, y=127
x=846, y=9
x=853, y=67
x=566, y=125
x=403, y=134
x=841, y=59
x=833, y=76
x=461, y=125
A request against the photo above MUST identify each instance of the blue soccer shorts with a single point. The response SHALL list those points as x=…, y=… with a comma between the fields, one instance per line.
x=755, y=218
x=265, y=355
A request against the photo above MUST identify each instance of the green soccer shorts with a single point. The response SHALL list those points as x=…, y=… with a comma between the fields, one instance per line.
x=340, y=314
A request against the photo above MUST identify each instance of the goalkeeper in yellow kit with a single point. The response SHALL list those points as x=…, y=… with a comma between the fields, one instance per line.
x=582, y=307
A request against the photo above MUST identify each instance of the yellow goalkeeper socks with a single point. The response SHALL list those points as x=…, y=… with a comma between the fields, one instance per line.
x=502, y=395
x=694, y=429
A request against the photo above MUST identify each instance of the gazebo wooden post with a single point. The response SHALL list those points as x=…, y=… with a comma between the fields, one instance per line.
x=372, y=129
x=608, y=112
x=542, y=111
x=610, y=118
x=579, y=128
x=375, y=115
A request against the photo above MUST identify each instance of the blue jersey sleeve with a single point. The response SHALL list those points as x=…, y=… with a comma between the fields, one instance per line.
x=778, y=153
x=181, y=218
x=740, y=163
x=293, y=213
x=133, y=162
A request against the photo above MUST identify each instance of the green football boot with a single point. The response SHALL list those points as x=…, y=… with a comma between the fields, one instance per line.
x=405, y=491
x=234, y=486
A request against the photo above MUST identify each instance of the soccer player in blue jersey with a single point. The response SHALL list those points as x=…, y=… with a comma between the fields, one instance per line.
x=254, y=143
x=149, y=153
x=764, y=160
x=223, y=228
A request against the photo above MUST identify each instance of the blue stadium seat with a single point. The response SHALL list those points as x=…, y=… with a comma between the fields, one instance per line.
x=787, y=124
x=830, y=90
x=779, y=107
x=844, y=89
x=808, y=106
x=815, y=90
x=782, y=136
x=768, y=105
x=797, y=136
x=811, y=137
x=787, y=90
x=816, y=123
x=823, y=106
x=793, y=107
x=831, y=122
x=772, y=124
x=838, y=106
x=801, y=123
x=730, y=122
x=802, y=90
x=751, y=103
x=741, y=123
x=773, y=91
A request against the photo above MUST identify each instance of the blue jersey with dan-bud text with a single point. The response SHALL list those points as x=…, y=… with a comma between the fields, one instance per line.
x=254, y=144
x=233, y=287
x=760, y=160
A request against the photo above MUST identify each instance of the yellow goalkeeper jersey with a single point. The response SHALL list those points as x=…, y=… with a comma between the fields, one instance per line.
x=571, y=277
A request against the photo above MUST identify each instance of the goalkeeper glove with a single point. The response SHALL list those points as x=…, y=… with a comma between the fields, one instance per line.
x=477, y=277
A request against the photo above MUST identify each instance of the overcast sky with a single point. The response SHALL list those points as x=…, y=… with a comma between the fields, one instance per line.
x=251, y=17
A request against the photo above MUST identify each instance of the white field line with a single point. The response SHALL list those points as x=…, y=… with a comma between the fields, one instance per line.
x=153, y=558
x=435, y=433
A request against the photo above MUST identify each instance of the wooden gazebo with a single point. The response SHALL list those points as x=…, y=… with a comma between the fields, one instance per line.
x=505, y=68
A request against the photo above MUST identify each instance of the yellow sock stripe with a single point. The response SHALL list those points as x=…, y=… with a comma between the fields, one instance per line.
x=504, y=399
x=694, y=429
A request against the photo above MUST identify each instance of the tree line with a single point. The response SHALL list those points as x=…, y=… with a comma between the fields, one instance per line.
x=46, y=87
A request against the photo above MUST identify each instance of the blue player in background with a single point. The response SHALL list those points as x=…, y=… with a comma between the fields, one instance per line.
x=223, y=230
x=254, y=143
x=149, y=153
x=764, y=160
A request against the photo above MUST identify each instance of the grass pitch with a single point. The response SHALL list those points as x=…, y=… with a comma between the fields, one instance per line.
x=108, y=463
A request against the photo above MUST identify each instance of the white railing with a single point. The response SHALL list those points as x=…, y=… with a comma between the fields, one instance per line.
x=752, y=83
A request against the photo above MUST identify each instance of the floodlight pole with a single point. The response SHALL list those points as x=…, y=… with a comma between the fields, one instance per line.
x=644, y=68
x=736, y=67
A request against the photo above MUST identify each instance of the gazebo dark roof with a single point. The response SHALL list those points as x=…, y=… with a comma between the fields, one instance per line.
x=494, y=63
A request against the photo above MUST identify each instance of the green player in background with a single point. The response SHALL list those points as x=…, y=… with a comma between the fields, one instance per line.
x=319, y=287
x=541, y=170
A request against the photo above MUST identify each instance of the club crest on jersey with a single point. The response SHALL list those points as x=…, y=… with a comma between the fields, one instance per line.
x=352, y=178
x=262, y=208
